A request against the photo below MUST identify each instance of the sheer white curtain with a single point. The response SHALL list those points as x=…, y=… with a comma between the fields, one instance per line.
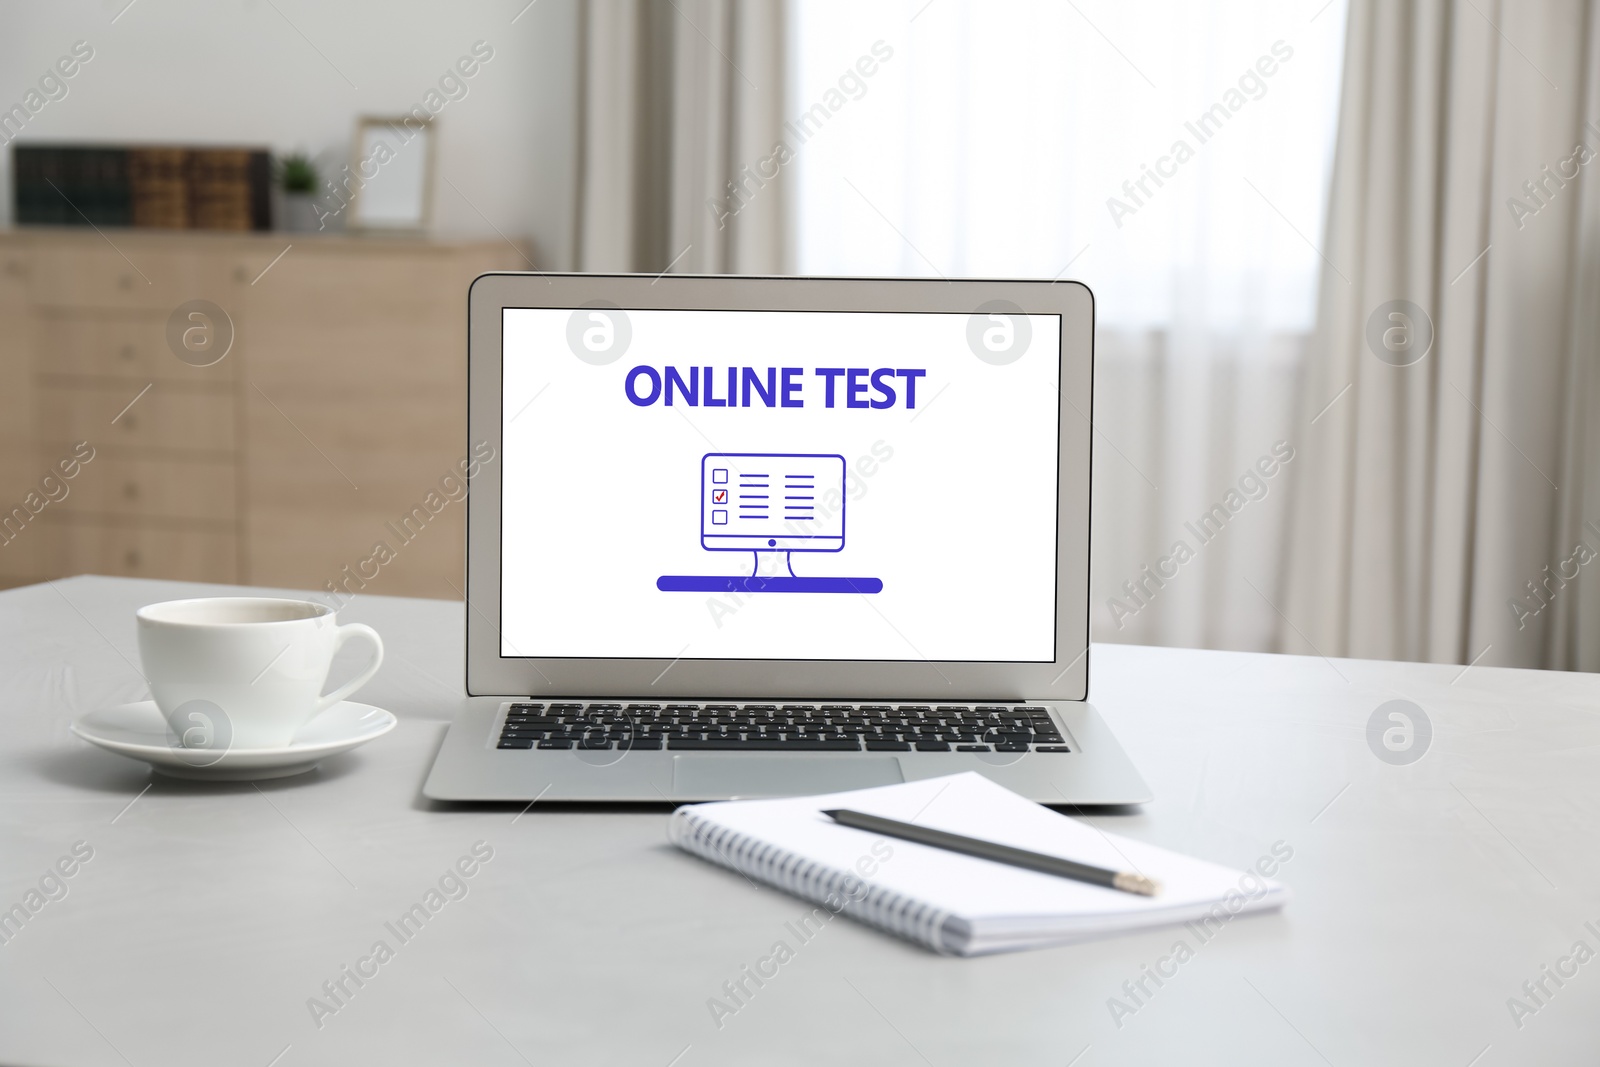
x=1173, y=156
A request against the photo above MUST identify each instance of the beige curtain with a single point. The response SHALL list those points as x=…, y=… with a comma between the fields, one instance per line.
x=682, y=105
x=1447, y=506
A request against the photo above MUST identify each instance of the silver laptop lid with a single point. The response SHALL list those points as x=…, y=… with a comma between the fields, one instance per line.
x=695, y=487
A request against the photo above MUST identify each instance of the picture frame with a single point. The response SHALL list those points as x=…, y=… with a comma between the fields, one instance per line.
x=391, y=172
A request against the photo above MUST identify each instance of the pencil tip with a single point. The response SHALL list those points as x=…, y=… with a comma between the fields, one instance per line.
x=833, y=813
x=1136, y=883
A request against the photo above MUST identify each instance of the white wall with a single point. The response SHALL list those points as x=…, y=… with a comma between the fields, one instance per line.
x=238, y=72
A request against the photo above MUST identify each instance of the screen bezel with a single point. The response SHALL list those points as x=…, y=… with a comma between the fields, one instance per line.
x=491, y=674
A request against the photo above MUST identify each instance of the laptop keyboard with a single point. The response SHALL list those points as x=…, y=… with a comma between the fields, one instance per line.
x=782, y=727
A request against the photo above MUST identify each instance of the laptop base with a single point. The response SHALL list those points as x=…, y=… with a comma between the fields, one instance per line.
x=469, y=767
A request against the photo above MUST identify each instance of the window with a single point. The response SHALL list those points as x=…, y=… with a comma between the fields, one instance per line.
x=1174, y=155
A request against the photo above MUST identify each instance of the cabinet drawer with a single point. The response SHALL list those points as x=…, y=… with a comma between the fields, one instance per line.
x=313, y=549
x=71, y=546
x=203, y=490
x=16, y=421
x=83, y=276
x=131, y=346
x=164, y=417
x=360, y=325
x=19, y=549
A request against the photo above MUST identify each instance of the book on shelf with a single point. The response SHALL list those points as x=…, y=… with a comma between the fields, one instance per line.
x=157, y=187
x=159, y=180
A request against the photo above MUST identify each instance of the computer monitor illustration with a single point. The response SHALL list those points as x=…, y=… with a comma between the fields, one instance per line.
x=771, y=504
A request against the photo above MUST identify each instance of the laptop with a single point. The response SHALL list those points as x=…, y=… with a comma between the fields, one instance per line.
x=743, y=536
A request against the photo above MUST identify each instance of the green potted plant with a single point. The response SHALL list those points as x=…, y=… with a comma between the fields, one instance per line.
x=297, y=186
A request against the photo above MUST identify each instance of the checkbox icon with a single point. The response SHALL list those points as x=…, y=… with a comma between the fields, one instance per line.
x=719, y=518
x=719, y=476
x=719, y=496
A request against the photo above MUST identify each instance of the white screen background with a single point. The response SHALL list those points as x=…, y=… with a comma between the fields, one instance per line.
x=953, y=504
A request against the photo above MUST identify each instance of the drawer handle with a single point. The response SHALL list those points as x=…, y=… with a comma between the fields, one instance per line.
x=126, y=281
x=132, y=557
x=127, y=351
x=131, y=490
x=130, y=423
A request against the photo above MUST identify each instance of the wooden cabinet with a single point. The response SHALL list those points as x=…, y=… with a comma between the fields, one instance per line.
x=292, y=461
x=17, y=460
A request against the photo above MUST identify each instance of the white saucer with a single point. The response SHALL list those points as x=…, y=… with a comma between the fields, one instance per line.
x=140, y=732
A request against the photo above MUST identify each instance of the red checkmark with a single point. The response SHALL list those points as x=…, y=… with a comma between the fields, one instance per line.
x=719, y=496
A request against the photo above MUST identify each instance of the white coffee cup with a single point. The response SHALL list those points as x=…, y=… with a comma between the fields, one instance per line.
x=260, y=661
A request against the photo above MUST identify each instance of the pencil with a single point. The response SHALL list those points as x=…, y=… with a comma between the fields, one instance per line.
x=990, y=850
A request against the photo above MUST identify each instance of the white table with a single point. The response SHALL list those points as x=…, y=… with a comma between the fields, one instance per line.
x=1425, y=895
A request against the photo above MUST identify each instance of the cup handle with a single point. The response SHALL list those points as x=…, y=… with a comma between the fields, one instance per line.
x=354, y=629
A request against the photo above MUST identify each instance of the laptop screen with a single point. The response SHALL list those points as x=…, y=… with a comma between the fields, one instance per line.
x=779, y=485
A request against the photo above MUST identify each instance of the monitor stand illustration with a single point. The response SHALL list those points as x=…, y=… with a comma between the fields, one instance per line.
x=771, y=505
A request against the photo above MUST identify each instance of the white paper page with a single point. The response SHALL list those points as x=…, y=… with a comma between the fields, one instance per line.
x=982, y=891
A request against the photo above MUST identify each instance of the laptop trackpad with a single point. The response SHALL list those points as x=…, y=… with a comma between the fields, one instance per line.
x=759, y=774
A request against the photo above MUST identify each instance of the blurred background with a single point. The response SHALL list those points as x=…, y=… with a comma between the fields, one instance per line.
x=1344, y=254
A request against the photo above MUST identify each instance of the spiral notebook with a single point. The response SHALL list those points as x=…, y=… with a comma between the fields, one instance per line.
x=953, y=903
